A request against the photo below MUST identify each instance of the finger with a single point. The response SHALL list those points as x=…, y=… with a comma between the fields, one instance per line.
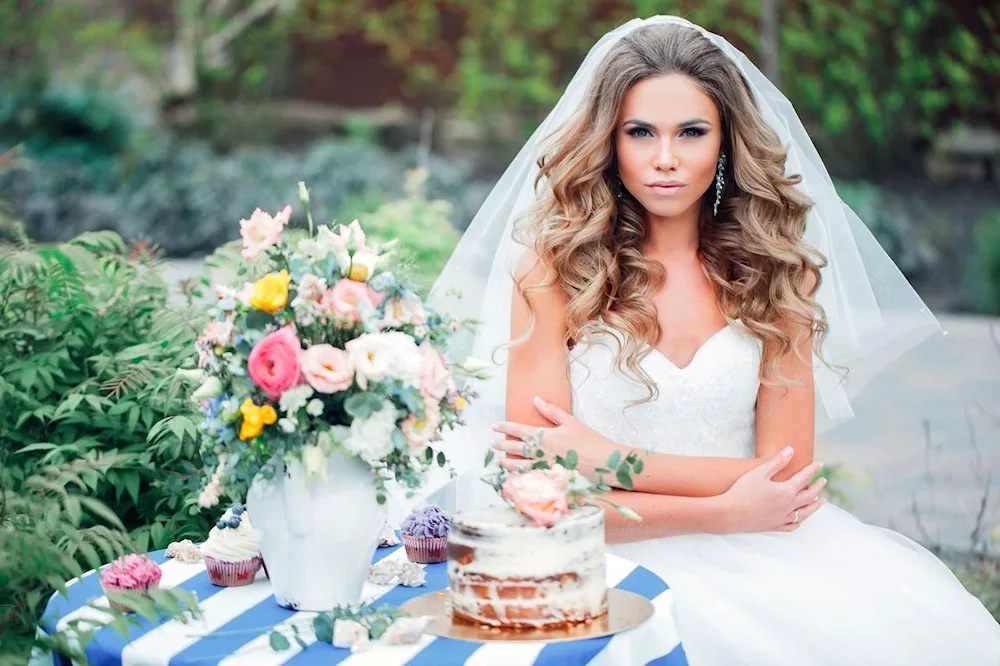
x=553, y=413
x=517, y=430
x=802, y=478
x=514, y=464
x=810, y=509
x=810, y=494
x=777, y=462
x=511, y=447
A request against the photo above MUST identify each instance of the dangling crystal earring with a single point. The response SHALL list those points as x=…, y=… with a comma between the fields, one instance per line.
x=719, y=182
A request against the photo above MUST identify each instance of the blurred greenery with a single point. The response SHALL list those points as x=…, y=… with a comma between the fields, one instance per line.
x=983, y=274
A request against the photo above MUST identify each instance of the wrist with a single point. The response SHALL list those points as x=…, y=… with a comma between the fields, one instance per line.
x=722, y=515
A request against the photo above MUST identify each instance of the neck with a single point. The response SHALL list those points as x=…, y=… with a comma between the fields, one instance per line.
x=676, y=235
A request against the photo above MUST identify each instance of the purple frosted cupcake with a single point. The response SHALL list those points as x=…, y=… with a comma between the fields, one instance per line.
x=425, y=535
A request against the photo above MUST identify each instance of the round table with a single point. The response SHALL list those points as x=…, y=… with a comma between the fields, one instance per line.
x=237, y=622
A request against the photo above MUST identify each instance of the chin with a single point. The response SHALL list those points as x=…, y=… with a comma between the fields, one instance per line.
x=660, y=208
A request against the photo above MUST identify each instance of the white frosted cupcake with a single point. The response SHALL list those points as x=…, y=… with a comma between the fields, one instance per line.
x=232, y=553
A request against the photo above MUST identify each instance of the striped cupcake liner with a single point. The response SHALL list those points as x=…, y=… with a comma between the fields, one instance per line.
x=232, y=574
x=426, y=550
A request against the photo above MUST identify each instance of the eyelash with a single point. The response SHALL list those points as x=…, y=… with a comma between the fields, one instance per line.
x=698, y=131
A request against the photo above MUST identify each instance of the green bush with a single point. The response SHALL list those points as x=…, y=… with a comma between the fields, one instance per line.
x=187, y=199
x=983, y=273
x=89, y=348
x=51, y=531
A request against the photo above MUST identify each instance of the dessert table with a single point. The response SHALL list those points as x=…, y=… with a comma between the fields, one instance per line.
x=237, y=622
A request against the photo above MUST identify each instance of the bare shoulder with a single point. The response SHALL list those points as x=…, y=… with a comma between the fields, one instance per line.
x=538, y=281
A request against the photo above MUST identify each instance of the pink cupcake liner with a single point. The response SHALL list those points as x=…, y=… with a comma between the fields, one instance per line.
x=426, y=550
x=232, y=574
x=113, y=593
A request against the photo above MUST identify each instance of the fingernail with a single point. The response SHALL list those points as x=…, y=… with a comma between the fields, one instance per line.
x=819, y=467
x=787, y=452
x=822, y=482
x=538, y=401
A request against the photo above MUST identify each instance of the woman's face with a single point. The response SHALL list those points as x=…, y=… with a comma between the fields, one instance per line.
x=668, y=142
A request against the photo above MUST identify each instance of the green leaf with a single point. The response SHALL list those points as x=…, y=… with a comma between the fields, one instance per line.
x=571, y=460
x=441, y=459
x=490, y=455
x=362, y=405
x=278, y=642
x=614, y=459
x=131, y=480
x=638, y=466
x=323, y=627
x=624, y=479
x=399, y=440
x=258, y=320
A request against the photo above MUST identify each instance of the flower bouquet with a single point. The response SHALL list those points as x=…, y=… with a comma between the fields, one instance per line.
x=325, y=379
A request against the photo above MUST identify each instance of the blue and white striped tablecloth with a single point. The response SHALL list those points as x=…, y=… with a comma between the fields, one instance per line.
x=237, y=622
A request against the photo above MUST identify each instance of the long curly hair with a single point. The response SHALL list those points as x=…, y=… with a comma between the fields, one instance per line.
x=591, y=242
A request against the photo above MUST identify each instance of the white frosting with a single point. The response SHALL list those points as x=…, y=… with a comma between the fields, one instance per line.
x=232, y=544
x=510, y=548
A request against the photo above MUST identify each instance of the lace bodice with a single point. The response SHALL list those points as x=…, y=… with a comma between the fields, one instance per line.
x=704, y=409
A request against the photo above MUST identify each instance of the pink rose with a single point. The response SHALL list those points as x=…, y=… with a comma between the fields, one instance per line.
x=262, y=231
x=539, y=494
x=435, y=378
x=327, y=369
x=346, y=298
x=420, y=433
x=273, y=363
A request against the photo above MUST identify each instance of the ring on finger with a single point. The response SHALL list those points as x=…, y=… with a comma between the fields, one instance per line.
x=796, y=518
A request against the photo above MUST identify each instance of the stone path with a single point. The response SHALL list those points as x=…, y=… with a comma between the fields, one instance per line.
x=926, y=435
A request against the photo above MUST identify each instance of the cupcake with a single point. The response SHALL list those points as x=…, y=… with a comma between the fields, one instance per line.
x=131, y=573
x=231, y=553
x=425, y=535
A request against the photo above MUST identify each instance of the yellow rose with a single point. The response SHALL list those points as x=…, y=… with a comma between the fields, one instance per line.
x=460, y=402
x=255, y=418
x=270, y=293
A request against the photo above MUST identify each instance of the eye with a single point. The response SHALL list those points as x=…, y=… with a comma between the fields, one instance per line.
x=639, y=132
x=693, y=132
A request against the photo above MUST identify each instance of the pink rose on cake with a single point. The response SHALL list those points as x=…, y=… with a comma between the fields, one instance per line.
x=540, y=494
x=273, y=363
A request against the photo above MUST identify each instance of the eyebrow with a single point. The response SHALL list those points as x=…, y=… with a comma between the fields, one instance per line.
x=687, y=123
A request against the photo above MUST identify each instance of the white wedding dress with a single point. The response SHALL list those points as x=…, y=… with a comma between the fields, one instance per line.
x=834, y=592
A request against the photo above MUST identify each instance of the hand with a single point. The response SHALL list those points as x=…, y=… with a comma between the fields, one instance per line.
x=567, y=432
x=757, y=503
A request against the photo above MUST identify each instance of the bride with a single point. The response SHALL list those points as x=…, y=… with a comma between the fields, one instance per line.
x=674, y=273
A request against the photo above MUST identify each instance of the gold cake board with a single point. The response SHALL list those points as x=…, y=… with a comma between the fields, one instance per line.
x=626, y=610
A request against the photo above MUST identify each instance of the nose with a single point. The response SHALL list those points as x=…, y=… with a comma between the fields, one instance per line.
x=665, y=159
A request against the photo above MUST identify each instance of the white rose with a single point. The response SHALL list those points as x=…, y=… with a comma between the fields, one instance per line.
x=315, y=407
x=376, y=356
x=371, y=438
x=287, y=426
x=405, y=309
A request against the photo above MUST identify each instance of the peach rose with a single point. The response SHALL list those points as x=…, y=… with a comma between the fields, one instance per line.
x=435, y=378
x=327, y=369
x=347, y=297
x=538, y=494
x=274, y=363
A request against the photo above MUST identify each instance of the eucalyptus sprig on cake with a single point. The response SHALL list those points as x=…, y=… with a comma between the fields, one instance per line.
x=323, y=349
x=548, y=490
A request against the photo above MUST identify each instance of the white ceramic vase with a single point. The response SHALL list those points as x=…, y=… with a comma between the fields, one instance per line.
x=317, y=537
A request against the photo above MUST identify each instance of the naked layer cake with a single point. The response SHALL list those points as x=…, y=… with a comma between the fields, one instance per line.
x=505, y=571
